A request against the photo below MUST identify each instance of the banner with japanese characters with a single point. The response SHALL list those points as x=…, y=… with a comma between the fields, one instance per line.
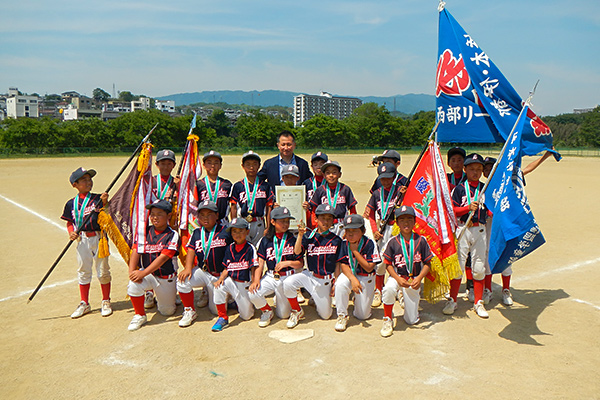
x=475, y=103
x=514, y=233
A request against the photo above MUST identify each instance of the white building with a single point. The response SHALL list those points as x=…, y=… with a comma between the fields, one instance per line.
x=307, y=106
x=18, y=106
x=165, y=105
x=142, y=104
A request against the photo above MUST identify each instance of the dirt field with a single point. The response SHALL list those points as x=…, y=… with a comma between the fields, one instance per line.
x=543, y=346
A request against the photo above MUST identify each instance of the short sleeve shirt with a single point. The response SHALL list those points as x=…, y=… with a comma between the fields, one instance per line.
x=459, y=199
x=222, y=197
x=368, y=250
x=266, y=251
x=213, y=262
x=91, y=208
x=375, y=203
x=156, y=243
x=394, y=255
x=322, y=252
x=240, y=263
x=345, y=200
x=163, y=188
x=264, y=197
x=400, y=180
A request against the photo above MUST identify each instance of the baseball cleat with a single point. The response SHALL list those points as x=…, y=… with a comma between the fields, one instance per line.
x=507, y=297
x=265, y=318
x=487, y=296
x=388, y=327
x=220, y=324
x=202, y=299
x=82, y=309
x=106, y=309
x=136, y=322
x=450, y=307
x=295, y=317
x=480, y=309
x=189, y=316
x=149, y=299
x=340, y=324
x=376, y=299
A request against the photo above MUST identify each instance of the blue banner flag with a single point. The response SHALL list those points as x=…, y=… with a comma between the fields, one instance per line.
x=514, y=232
x=193, y=124
x=475, y=103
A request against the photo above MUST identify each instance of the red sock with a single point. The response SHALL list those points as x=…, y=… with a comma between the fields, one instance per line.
x=84, y=293
x=488, y=282
x=387, y=310
x=506, y=282
x=379, y=282
x=294, y=303
x=478, y=289
x=105, y=291
x=469, y=273
x=187, y=299
x=222, y=311
x=454, y=288
x=138, y=304
x=267, y=307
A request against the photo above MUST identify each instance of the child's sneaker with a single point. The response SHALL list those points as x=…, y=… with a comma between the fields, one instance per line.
x=376, y=299
x=149, y=299
x=136, y=322
x=220, y=324
x=388, y=327
x=82, y=309
x=300, y=297
x=487, y=296
x=340, y=324
x=450, y=307
x=507, y=297
x=265, y=318
x=480, y=310
x=471, y=295
x=295, y=316
x=106, y=309
x=202, y=299
x=189, y=316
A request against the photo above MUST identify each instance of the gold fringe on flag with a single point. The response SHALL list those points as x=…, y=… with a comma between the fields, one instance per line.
x=109, y=228
x=443, y=272
x=142, y=163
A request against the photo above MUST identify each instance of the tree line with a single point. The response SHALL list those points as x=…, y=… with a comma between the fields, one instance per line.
x=369, y=126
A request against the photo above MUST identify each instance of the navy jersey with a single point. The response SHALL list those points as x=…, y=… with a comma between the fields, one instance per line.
x=368, y=250
x=163, y=187
x=239, y=264
x=222, y=197
x=345, y=200
x=309, y=184
x=375, y=203
x=322, y=252
x=157, y=243
x=459, y=199
x=213, y=263
x=263, y=198
x=93, y=205
x=394, y=256
x=400, y=180
x=266, y=251
x=453, y=181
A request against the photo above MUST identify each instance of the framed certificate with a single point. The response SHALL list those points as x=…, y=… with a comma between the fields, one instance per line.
x=292, y=197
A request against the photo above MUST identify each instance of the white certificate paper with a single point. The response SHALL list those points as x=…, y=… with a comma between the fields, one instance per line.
x=292, y=197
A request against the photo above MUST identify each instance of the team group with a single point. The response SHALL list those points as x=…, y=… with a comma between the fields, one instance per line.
x=244, y=250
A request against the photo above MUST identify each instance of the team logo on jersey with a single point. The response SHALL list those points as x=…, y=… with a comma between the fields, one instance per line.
x=451, y=77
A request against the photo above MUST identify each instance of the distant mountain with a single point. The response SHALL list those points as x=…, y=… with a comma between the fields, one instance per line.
x=407, y=103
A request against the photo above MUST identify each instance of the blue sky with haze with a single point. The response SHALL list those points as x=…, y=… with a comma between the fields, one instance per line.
x=354, y=48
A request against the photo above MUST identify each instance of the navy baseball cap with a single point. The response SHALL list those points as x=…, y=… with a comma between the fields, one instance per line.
x=240, y=223
x=329, y=163
x=79, y=173
x=165, y=154
x=354, y=221
x=489, y=161
x=456, y=150
x=162, y=204
x=212, y=153
x=208, y=205
x=404, y=210
x=319, y=155
x=324, y=209
x=389, y=154
x=473, y=158
x=281, y=213
x=386, y=170
x=250, y=154
x=290, y=170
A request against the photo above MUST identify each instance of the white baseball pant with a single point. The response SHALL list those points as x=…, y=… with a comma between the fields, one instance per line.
x=200, y=278
x=411, y=299
x=473, y=241
x=268, y=286
x=488, y=230
x=87, y=256
x=165, y=291
x=256, y=231
x=239, y=292
x=319, y=289
x=382, y=245
x=362, y=300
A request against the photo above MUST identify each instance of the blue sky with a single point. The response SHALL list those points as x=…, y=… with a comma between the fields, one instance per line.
x=354, y=48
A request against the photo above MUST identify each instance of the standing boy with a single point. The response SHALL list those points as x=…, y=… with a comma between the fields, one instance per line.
x=214, y=188
x=391, y=156
x=164, y=186
x=75, y=213
x=316, y=162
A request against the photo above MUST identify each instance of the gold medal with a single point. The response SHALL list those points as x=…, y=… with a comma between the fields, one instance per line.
x=276, y=275
x=410, y=280
x=249, y=218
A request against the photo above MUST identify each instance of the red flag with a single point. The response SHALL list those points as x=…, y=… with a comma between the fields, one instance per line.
x=190, y=173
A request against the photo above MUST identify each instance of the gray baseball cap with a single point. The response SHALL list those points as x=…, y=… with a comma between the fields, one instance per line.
x=386, y=170
x=208, y=205
x=324, y=209
x=250, y=154
x=240, y=223
x=329, y=163
x=162, y=204
x=404, y=210
x=354, y=221
x=290, y=170
x=165, y=154
x=389, y=154
x=212, y=153
x=79, y=173
x=281, y=213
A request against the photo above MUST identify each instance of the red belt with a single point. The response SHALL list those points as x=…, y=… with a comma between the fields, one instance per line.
x=322, y=276
x=363, y=274
x=166, y=276
x=215, y=274
x=283, y=273
x=237, y=280
x=90, y=233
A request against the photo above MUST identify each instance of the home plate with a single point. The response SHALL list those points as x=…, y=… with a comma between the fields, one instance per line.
x=292, y=336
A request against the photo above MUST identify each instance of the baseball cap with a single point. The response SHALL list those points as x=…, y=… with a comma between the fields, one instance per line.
x=281, y=213
x=389, y=154
x=208, y=205
x=165, y=154
x=386, y=170
x=250, y=154
x=240, y=223
x=212, y=153
x=456, y=150
x=489, y=160
x=473, y=158
x=290, y=170
x=329, y=163
x=404, y=210
x=354, y=221
x=162, y=204
x=324, y=209
x=79, y=173
x=319, y=155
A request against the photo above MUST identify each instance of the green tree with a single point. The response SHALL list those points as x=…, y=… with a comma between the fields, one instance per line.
x=100, y=94
x=259, y=130
x=126, y=96
x=590, y=128
x=219, y=122
x=324, y=131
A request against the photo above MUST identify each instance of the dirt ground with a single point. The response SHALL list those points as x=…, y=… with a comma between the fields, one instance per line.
x=543, y=346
